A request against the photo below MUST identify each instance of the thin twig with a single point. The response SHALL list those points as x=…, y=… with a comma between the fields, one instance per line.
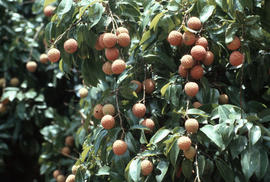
x=197, y=166
x=69, y=156
x=119, y=114
x=145, y=70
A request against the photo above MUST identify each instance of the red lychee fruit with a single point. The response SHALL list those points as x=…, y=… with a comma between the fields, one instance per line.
x=60, y=178
x=109, y=40
x=196, y=104
x=69, y=141
x=31, y=66
x=74, y=169
x=108, y=122
x=98, y=114
x=235, y=44
x=196, y=72
x=65, y=151
x=107, y=68
x=191, y=89
x=192, y=125
x=108, y=109
x=149, y=123
x=149, y=85
x=49, y=10
x=112, y=53
x=202, y=42
x=236, y=58
x=184, y=143
x=198, y=52
x=139, y=110
x=14, y=82
x=175, y=38
x=56, y=173
x=100, y=41
x=146, y=167
x=54, y=55
x=139, y=86
x=194, y=23
x=119, y=147
x=187, y=61
x=223, y=99
x=121, y=30
x=70, y=46
x=182, y=71
x=208, y=59
x=83, y=92
x=189, y=38
x=190, y=153
x=118, y=66
x=70, y=178
x=43, y=58
x=123, y=39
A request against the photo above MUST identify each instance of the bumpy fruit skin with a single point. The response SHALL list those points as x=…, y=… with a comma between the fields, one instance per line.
x=196, y=72
x=70, y=178
x=139, y=110
x=60, y=178
x=109, y=40
x=191, y=89
x=100, y=41
x=56, y=173
x=71, y=46
x=97, y=46
x=235, y=44
x=208, y=59
x=223, y=99
x=192, y=125
x=121, y=30
x=236, y=58
x=112, y=53
x=184, y=143
x=48, y=10
x=190, y=153
x=182, y=71
x=31, y=66
x=146, y=167
x=187, y=61
x=65, y=151
x=107, y=68
x=69, y=141
x=119, y=147
x=194, y=23
x=189, y=38
x=202, y=41
x=83, y=92
x=54, y=55
x=118, y=66
x=175, y=38
x=196, y=104
x=108, y=122
x=149, y=123
x=74, y=169
x=98, y=114
x=14, y=82
x=198, y=52
x=43, y=58
x=108, y=109
x=149, y=85
x=123, y=39
x=139, y=86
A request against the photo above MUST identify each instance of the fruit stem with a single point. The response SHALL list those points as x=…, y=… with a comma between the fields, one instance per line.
x=119, y=113
x=197, y=166
x=69, y=156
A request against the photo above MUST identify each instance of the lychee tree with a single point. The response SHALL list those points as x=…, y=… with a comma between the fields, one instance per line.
x=173, y=90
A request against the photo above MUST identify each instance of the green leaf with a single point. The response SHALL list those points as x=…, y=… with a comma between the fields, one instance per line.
x=206, y=12
x=174, y=152
x=238, y=145
x=95, y=14
x=64, y=7
x=230, y=32
x=104, y=171
x=163, y=167
x=213, y=135
x=135, y=169
x=249, y=161
x=155, y=21
x=263, y=164
x=164, y=88
x=255, y=134
x=146, y=35
x=225, y=171
x=48, y=2
x=159, y=135
x=187, y=168
x=197, y=112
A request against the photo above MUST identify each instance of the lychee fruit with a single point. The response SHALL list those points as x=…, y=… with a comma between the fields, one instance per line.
x=235, y=44
x=223, y=99
x=48, y=10
x=208, y=59
x=98, y=114
x=100, y=41
x=175, y=38
x=196, y=72
x=139, y=85
x=69, y=141
x=139, y=110
x=83, y=92
x=191, y=89
x=31, y=66
x=190, y=153
x=149, y=123
x=60, y=178
x=65, y=151
x=97, y=46
x=2, y=82
x=149, y=85
x=71, y=46
x=14, y=82
x=112, y=53
x=54, y=55
x=189, y=38
x=2, y=108
x=109, y=40
x=70, y=178
x=56, y=173
x=119, y=147
x=108, y=122
x=236, y=58
x=196, y=104
x=146, y=167
x=194, y=23
x=108, y=109
x=107, y=68
x=202, y=41
x=191, y=125
x=187, y=61
x=198, y=52
x=184, y=142
x=121, y=30
x=118, y=66
x=43, y=58
x=74, y=169
x=182, y=71
x=123, y=39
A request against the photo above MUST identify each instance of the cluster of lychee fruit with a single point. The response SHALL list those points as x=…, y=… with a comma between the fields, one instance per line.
x=59, y=177
x=69, y=143
x=236, y=57
x=108, y=41
x=184, y=142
